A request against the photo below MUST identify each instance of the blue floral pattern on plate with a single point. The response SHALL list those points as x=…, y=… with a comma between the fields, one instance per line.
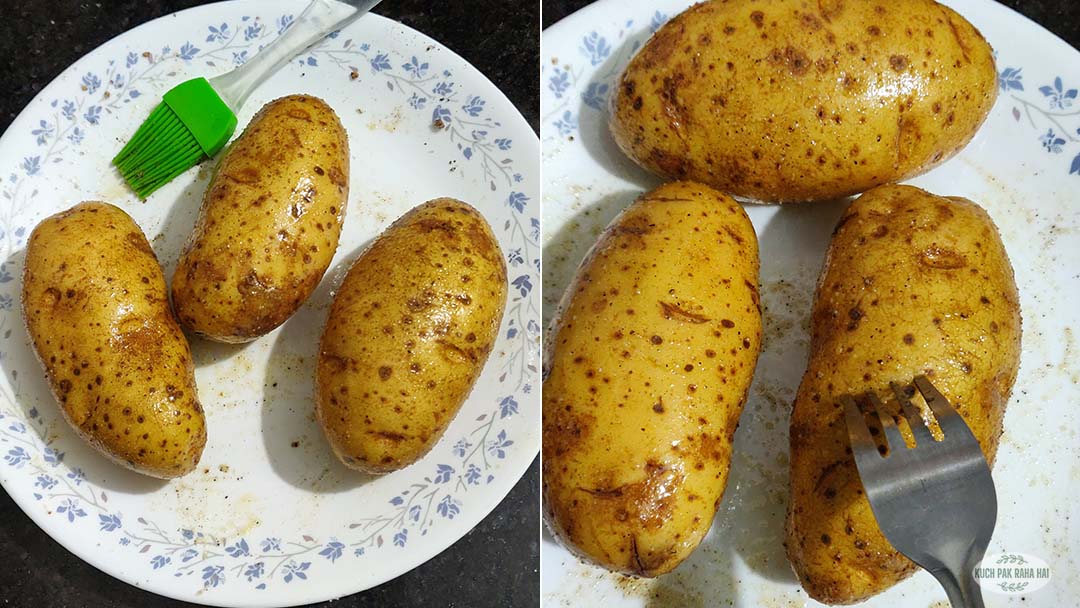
x=1053, y=111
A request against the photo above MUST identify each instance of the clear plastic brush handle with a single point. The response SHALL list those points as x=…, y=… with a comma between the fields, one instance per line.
x=319, y=19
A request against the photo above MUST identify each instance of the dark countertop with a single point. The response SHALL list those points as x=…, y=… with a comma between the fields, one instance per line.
x=497, y=563
x=1059, y=16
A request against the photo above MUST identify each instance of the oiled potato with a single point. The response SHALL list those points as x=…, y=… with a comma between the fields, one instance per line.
x=408, y=334
x=794, y=100
x=649, y=365
x=97, y=310
x=269, y=223
x=913, y=284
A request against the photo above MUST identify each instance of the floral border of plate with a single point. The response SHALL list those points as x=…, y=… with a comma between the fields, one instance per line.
x=215, y=561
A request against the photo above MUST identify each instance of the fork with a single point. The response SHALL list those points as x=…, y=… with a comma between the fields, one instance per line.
x=934, y=502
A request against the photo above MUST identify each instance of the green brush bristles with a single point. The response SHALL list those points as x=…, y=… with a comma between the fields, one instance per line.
x=161, y=149
x=191, y=123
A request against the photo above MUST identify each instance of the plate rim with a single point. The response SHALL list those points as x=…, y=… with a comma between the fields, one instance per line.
x=558, y=561
x=486, y=504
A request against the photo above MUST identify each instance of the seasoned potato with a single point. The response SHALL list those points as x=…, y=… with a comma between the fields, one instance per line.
x=269, y=223
x=649, y=365
x=97, y=310
x=408, y=334
x=792, y=100
x=913, y=284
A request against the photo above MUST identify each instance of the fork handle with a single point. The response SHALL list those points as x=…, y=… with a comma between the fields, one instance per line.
x=963, y=591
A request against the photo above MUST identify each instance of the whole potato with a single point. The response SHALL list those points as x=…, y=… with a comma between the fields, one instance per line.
x=649, y=364
x=408, y=334
x=793, y=101
x=913, y=284
x=97, y=310
x=269, y=223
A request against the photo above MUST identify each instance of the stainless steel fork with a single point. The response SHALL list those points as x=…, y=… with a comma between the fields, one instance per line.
x=934, y=502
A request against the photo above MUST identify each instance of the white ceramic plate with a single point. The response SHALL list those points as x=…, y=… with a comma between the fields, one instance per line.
x=1024, y=167
x=270, y=518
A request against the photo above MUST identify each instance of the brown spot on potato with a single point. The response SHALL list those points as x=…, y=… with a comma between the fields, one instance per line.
x=794, y=59
x=734, y=234
x=898, y=62
x=830, y=8
x=384, y=372
x=338, y=177
x=455, y=354
x=672, y=165
x=299, y=114
x=245, y=175
x=674, y=311
x=940, y=258
x=965, y=50
x=139, y=242
x=810, y=22
x=656, y=340
x=855, y=315
x=389, y=436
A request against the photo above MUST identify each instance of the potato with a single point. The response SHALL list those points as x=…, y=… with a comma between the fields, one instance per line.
x=97, y=310
x=408, y=334
x=269, y=223
x=649, y=364
x=794, y=101
x=913, y=284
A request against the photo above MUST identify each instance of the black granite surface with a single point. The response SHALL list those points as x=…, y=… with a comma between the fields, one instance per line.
x=497, y=564
x=1059, y=16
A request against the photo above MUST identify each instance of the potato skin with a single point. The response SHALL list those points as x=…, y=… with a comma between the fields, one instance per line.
x=649, y=366
x=408, y=335
x=269, y=223
x=794, y=100
x=97, y=310
x=913, y=284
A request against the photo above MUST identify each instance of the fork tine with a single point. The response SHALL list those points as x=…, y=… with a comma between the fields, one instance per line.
x=948, y=418
x=912, y=413
x=862, y=444
x=892, y=434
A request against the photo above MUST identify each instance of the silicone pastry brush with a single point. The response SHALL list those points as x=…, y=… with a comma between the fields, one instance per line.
x=197, y=117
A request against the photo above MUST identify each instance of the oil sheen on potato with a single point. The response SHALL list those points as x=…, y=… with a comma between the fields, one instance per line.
x=794, y=100
x=913, y=284
x=269, y=223
x=408, y=335
x=97, y=310
x=648, y=368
